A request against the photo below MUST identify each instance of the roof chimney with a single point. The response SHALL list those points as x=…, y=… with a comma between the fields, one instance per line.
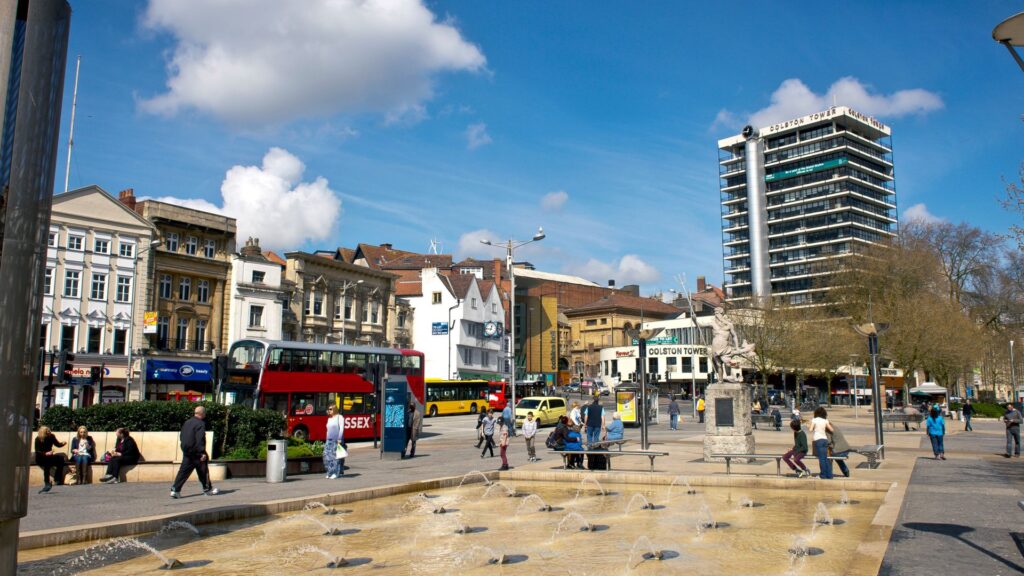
x=251, y=248
x=386, y=246
x=127, y=197
x=701, y=284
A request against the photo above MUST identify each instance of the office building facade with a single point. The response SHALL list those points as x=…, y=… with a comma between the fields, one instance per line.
x=798, y=195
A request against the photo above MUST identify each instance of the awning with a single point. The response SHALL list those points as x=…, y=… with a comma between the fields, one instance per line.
x=928, y=389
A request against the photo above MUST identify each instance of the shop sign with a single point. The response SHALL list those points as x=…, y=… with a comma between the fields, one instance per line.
x=149, y=322
x=782, y=175
x=178, y=370
x=439, y=328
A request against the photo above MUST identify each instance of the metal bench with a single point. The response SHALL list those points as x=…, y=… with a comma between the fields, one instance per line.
x=905, y=419
x=873, y=452
x=606, y=444
x=778, y=460
x=651, y=455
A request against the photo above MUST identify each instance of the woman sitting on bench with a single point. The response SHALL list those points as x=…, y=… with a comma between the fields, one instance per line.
x=83, y=452
x=125, y=453
x=573, y=441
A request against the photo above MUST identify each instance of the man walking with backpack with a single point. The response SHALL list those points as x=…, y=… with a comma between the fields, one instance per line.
x=594, y=419
x=193, y=454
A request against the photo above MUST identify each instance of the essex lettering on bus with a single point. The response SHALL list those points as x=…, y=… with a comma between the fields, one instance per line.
x=358, y=422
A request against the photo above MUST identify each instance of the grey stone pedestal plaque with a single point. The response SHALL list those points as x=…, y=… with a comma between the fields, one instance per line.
x=727, y=430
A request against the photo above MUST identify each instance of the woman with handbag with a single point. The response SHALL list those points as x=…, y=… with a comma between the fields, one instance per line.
x=334, y=450
x=125, y=453
x=83, y=453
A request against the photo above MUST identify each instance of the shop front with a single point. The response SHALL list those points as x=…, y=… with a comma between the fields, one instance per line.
x=81, y=389
x=178, y=380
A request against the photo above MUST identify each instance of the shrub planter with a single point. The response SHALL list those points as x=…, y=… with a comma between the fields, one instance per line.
x=258, y=468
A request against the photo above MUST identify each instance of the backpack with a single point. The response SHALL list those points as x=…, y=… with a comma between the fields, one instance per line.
x=551, y=442
x=480, y=420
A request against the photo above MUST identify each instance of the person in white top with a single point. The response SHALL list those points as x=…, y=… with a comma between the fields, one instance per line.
x=334, y=466
x=820, y=427
x=575, y=416
x=530, y=433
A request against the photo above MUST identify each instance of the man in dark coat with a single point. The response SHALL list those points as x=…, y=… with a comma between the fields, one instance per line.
x=193, y=455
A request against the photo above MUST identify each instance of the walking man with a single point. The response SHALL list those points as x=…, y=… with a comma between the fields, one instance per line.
x=193, y=454
x=488, y=427
x=1012, y=420
x=700, y=408
x=968, y=411
x=673, y=414
x=594, y=419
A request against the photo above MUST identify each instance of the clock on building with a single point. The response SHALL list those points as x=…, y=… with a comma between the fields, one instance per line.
x=490, y=329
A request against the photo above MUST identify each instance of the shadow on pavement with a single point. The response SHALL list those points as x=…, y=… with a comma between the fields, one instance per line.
x=957, y=532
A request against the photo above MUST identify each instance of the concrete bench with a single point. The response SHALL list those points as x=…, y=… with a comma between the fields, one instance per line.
x=161, y=457
x=608, y=454
x=873, y=452
x=761, y=456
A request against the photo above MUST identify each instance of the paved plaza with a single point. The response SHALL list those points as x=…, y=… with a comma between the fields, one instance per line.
x=961, y=514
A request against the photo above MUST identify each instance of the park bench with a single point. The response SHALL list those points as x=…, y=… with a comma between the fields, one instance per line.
x=609, y=454
x=905, y=419
x=768, y=419
x=873, y=452
x=159, y=461
x=606, y=444
x=778, y=460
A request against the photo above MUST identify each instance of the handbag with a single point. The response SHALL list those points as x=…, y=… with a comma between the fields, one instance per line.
x=340, y=453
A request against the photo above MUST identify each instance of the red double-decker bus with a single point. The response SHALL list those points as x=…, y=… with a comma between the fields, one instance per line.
x=301, y=380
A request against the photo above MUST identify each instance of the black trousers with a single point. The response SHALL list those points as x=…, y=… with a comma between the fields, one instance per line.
x=116, y=463
x=489, y=446
x=188, y=464
x=54, y=465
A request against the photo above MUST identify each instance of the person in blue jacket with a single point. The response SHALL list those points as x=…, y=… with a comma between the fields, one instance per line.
x=573, y=441
x=936, y=428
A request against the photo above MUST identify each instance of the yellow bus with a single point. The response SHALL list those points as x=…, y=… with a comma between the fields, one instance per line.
x=455, y=396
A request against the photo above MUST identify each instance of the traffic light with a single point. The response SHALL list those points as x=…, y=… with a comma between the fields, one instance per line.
x=220, y=368
x=65, y=368
x=95, y=373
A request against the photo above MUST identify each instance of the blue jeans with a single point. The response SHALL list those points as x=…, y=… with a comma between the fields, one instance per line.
x=673, y=421
x=842, y=463
x=82, y=464
x=1013, y=436
x=331, y=464
x=824, y=464
x=967, y=425
x=593, y=434
x=937, y=447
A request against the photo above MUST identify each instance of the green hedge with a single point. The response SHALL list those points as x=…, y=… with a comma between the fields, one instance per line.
x=235, y=427
x=983, y=409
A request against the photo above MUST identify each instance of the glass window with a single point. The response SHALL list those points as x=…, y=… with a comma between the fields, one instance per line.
x=165, y=286
x=127, y=250
x=436, y=298
x=171, y=242
x=366, y=311
x=182, y=334
x=401, y=319
x=687, y=364
x=48, y=282
x=592, y=322
x=348, y=309
x=200, y=334
x=51, y=240
x=124, y=290
x=185, y=289
x=703, y=364
x=203, y=291
x=249, y=354
x=191, y=245
x=67, y=338
x=276, y=402
x=355, y=362
x=95, y=335
x=163, y=332
x=256, y=316
x=76, y=242
x=210, y=248
x=44, y=330
x=120, y=341
x=374, y=313
x=72, y=286
x=101, y=246
x=467, y=356
x=338, y=301
x=98, y=290
x=258, y=276
x=473, y=300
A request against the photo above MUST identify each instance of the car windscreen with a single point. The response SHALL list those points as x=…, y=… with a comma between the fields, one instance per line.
x=528, y=403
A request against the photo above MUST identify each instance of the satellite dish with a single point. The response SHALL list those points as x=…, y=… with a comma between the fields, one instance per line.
x=748, y=131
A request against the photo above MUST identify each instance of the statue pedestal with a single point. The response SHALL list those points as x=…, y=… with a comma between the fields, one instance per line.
x=728, y=428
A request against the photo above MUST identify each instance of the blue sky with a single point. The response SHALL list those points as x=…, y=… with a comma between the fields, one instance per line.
x=457, y=120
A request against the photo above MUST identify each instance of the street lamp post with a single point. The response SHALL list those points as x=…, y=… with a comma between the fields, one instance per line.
x=131, y=325
x=510, y=246
x=1010, y=33
x=871, y=331
x=1013, y=376
x=344, y=300
x=856, y=405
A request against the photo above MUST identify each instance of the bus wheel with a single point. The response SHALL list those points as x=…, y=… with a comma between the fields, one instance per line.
x=433, y=410
x=472, y=408
x=300, y=434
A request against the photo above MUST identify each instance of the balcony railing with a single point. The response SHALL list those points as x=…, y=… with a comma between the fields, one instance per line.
x=173, y=344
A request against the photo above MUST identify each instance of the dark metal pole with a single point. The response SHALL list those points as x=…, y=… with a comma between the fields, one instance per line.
x=39, y=30
x=877, y=400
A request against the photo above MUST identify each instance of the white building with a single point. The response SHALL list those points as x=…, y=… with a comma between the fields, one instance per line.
x=459, y=326
x=257, y=297
x=677, y=358
x=94, y=290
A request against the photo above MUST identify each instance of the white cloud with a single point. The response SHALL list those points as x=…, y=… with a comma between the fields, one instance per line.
x=471, y=247
x=272, y=204
x=477, y=136
x=554, y=200
x=725, y=119
x=919, y=213
x=630, y=269
x=793, y=99
x=266, y=61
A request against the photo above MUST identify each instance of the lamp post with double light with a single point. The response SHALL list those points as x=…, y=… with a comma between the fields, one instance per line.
x=510, y=247
x=1010, y=33
x=131, y=325
x=871, y=330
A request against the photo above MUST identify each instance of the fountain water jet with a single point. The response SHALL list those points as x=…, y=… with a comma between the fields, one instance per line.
x=689, y=489
x=592, y=480
x=123, y=543
x=178, y=525
x=645, y=504
x=314, y=505
x=544, y=506
x=650, y=552
x=581, y=523
x=821, y=515
x=510, y=491
x=844, y=497
x=328, y=530
x=332, y=560
x=423, y=503
x=487, y=481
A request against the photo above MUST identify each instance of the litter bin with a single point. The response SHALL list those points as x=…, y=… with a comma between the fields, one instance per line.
x=277, y=460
